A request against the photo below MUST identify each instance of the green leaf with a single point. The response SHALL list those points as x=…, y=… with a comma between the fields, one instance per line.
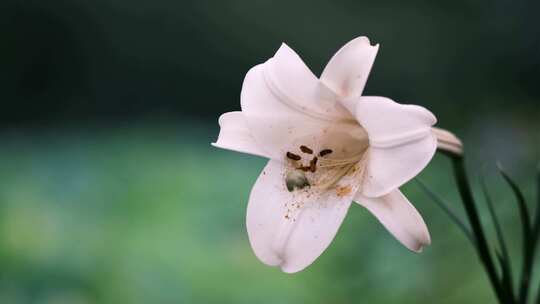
x=536, y=228
x=506, y=277
x=444, y=206
x=523, y=209
x=504, y=257
x=482, y=246
x=528, y=249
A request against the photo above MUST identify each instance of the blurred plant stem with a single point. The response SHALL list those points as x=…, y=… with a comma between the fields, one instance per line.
x=503, y=256
x=482, y=247
x=528, y=247
x=502, y=284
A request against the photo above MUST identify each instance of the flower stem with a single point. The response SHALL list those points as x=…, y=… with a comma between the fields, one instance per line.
x=482, y=247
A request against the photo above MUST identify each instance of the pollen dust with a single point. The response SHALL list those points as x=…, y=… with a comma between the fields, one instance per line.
x=342, y=191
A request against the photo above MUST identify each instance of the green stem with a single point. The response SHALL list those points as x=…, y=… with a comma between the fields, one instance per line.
x=472, y=213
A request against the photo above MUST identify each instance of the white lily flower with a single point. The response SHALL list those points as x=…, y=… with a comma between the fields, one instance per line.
x=328, y=146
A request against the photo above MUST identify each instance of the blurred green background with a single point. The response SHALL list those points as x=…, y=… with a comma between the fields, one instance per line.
x=111, y=193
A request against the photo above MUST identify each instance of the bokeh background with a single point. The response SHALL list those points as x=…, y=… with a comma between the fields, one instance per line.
x=111, y=193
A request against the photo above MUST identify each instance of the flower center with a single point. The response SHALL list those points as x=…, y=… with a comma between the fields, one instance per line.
x=320, y=170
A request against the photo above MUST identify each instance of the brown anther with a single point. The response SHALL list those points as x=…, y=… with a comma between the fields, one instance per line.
x=293, y=156
x=304, y=168
x=313, y=164
x=325, y=152
x=306, y=149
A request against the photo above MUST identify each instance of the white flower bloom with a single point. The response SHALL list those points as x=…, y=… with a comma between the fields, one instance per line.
x=328, y=146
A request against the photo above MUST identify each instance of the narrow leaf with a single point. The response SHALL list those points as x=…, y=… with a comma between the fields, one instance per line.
x=527, y=236
x=482, y=246
x=506, y=277
x=494, y=217
x=536, y=231
x=537, y=296
x=504, y=257
x=444, y=206
x=523, y=210
x=536, y=228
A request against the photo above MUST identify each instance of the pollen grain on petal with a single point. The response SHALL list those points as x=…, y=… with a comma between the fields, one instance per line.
x=343, y=190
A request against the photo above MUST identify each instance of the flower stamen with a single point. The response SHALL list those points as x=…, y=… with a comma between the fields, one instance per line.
x=336, y=168
x=293, y=156
x=313, y=164
x=325, y=183
x=325, y=152
x=306, y=149
x=329, y=162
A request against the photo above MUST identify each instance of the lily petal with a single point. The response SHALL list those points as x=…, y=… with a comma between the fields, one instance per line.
x=291, y=229
x=275, y=122
x=294, y=83
x=234, y=135
x=399, y=217
x=401, y=142
x=348, y=70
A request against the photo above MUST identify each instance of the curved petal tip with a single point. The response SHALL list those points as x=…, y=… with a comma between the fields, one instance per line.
x=365, y=40
x=400, y=218
x=347, y=71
